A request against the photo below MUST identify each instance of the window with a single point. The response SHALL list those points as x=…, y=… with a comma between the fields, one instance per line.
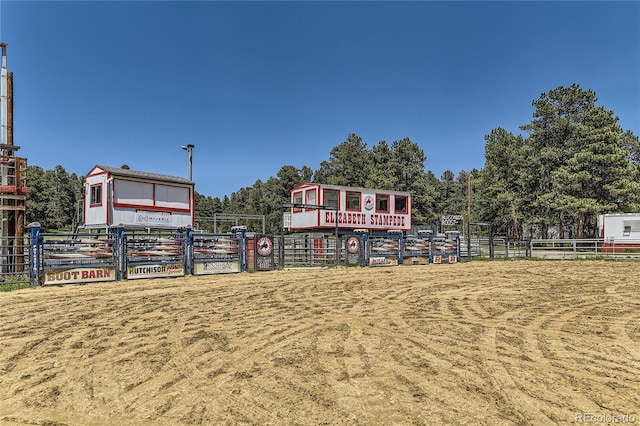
x=353, y=201
x=297, y=199
x=630, y=226
x=382, y=203
x=95, y=195
x=401, y=204
x=331, y=198
x=311, y=196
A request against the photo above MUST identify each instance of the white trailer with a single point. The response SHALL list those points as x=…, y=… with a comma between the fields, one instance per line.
x=134, y=199
x=620, y=231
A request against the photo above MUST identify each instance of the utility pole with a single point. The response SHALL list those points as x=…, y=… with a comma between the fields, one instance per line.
x=469, y=215
x=189, y=149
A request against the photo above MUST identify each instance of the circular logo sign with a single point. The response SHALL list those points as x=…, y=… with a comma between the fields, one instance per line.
x=353, y=244
x=368, y=202
x=264, y=246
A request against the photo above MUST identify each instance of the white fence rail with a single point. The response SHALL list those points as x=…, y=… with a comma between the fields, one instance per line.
x=585, y=249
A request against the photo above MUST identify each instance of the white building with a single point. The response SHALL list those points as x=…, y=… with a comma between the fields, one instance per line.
x=115, y=196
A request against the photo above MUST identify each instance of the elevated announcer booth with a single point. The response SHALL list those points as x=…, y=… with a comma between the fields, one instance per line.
x=137, y=200
x=372, y=221
x=348, y=209
x=153, y=211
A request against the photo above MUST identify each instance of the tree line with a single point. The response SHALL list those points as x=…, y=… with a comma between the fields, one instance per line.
x=573, y=162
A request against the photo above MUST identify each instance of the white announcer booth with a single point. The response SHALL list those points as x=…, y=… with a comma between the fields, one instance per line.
x=134, y=199
x=353, y=208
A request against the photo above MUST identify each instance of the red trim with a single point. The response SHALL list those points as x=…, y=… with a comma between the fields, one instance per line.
x=617, y=247
x=101, y=172
x=151, y=208
x=193, y=207
x=112, y=190
x=154, y=183
x=12, y=188
x=154, y=206
x=304, y=186
x=346, y=226
x=90, y=195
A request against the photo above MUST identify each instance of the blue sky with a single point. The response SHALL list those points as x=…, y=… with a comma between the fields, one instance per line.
x=259, y=85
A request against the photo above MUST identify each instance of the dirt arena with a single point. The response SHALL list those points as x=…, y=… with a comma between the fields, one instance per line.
x=483, y=343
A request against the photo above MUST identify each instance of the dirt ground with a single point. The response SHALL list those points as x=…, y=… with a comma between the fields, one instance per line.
x=482, y=343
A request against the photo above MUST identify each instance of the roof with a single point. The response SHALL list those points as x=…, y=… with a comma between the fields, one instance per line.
x=348, y=188
x=117, y=171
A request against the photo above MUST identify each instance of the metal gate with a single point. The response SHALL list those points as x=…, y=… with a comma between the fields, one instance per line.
x=72, y=258
x=308, y=250
x=217, y=253
x=154, y=255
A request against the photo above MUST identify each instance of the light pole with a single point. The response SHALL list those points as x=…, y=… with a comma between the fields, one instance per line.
x=189, y=149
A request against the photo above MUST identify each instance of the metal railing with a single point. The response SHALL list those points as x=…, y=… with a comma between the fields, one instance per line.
x=585, y=249
x=503, y=248
x=308, y=250
x=14, y=259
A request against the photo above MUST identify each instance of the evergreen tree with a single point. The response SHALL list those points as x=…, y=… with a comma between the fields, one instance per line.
x=500, y=183
x=580, y=161
x=349, y=164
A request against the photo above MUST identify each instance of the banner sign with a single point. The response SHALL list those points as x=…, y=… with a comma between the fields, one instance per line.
x=452, y=219
x=153, y=218
x=264, y=253
x=79, y=275
x=217, y=267
x=354, y=252
x=155, y=270
x=383, y=261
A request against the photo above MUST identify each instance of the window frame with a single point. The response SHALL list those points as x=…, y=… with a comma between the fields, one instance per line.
x=293, y=196
x=95, y=195
x=406, y=204
x=347, y=196
x=315, y=198
x=334, y=191
x=388, y=199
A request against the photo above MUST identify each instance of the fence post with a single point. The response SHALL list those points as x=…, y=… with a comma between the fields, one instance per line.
x=187, y=250
x=121, y=250
x=281, y=252
x=35, y=248
x=365, y=245
x=242, y=230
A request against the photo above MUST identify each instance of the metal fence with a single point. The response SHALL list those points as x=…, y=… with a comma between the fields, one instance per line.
x=309, y=250
x=321, y=250
x=14, y=259
x=495, y=248
x=502, y=248
x=585, y=249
